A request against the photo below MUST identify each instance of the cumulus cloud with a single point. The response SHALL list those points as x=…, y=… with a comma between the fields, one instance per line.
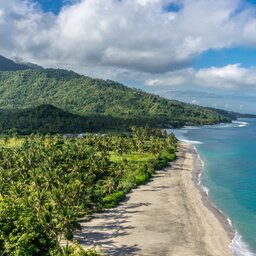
x=227, y=77
x=127, y=35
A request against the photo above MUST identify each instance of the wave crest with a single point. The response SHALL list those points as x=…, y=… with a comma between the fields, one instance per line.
x=240, y=248
x=192, y=141
x=240, y=124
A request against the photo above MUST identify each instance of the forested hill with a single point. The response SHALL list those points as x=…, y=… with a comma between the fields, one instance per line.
x=232, y=115
x=82, y=95
x=49, y=119
x=9, y=65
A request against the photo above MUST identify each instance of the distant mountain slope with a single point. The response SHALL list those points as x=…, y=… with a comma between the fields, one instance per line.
x=83, y=95
x=18, y=60
x=9, y=65
x=232, y=115
x=49, y=119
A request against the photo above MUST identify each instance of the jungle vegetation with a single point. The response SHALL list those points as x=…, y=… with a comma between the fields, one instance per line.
x=47, y=183
x=49, y=119
x=85, y=96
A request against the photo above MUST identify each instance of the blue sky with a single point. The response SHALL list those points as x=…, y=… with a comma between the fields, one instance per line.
x=252, y=1
x=55, y=5
x=52, y=5
x=245, y=56
x=193, y=47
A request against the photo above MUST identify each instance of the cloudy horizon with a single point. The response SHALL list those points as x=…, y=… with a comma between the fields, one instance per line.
x=157, y=45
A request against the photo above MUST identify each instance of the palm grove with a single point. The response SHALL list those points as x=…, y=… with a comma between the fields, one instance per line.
x=48, y=182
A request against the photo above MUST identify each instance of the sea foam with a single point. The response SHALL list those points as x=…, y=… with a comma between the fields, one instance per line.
x=240, y=124
x=199, y=178
x=192, y=141
x=240, y=248
x=234, y=124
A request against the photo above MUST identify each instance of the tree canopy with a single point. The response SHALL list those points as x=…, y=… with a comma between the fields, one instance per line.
x=82, y=96
x=48, y=182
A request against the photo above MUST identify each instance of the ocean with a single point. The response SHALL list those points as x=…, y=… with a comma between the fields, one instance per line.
x=229, y=176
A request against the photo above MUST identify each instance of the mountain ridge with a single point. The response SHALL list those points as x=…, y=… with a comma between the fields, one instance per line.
x=88, y=101
x=82, y=95
x=16, y=64
x=9, y=65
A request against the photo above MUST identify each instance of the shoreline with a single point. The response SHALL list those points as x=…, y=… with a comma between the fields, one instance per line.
x=171, y=215
x=196, y=176
x=237, y=246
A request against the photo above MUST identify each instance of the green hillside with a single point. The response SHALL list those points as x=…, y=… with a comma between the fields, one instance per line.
x=49, y=119
x=9, y=65
x=83, y=95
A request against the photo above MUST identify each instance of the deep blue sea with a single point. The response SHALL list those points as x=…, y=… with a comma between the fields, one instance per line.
x=229, y=155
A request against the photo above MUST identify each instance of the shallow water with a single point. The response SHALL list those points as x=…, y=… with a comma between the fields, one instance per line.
x=229, y=155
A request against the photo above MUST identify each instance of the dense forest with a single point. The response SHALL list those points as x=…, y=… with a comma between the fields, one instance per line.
x=34, y=99
x=49, y=119
x=10, y=65
x=82, y=95
x=48, y=182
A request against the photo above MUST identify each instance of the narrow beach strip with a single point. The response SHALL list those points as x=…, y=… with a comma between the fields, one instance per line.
x=168, y=216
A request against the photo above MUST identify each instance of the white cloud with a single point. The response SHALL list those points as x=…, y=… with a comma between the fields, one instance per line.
x=196, y=102
x=1, y=13
x=174, y=78
x=227, y=77
x=131, y=35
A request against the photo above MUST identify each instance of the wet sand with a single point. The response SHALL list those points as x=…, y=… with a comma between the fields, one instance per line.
x=168, y=216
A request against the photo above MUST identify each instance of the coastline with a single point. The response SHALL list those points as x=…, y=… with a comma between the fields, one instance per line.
x=237, y=246
x=171, y=215
x=196, y=176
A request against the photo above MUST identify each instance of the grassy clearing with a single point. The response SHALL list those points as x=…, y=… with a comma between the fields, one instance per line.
x=13, y=142
x=132, y=157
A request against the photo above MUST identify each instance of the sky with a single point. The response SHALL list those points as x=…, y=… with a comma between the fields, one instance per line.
x=198, y=51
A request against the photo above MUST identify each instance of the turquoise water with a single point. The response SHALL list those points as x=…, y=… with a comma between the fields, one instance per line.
x=229, y=155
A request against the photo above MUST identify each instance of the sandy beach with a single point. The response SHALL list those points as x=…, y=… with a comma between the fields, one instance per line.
x=168, y=216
